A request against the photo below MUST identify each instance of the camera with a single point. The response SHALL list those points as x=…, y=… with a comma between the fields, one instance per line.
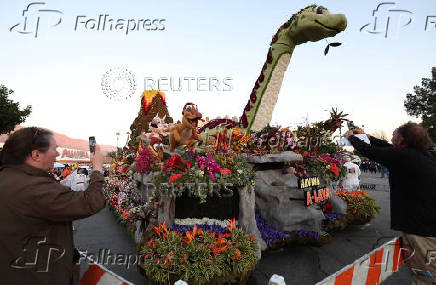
x=92, y=144
x=351, y=125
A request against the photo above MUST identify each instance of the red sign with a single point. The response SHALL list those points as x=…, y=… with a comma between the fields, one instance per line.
x=317, y=196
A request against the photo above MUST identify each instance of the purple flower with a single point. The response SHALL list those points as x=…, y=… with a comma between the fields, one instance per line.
x=305, y=233
x=209, y=164
x=268, y=233
x=144, y=160
x=332, y=217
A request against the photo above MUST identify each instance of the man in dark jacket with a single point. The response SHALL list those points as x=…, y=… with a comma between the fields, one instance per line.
x=412, y=180
x=36, y=212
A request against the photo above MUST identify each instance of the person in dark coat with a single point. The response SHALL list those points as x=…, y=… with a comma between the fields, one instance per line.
x=412, y=180
x=36, y=212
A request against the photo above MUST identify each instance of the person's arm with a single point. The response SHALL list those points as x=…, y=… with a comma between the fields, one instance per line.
x=52, y=201
x=374, y=141
x=384, y=155
x=378, y=142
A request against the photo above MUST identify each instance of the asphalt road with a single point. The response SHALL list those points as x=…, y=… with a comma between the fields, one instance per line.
x=298, y=264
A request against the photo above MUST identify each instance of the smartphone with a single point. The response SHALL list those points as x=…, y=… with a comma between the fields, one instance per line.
x=92, y=144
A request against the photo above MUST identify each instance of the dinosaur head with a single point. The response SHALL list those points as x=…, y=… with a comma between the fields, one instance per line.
x=190, y=116
x=312, y=23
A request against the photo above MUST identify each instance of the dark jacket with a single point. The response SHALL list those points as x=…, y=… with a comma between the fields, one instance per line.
x=412, y=180
x=36, y=214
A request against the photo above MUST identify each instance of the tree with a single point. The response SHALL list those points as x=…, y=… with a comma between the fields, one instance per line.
x=10, y=113
x=423, y=103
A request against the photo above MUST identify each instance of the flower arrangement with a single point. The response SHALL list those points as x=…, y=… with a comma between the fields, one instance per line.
x=144, y=160
x=198, y=256
x=328, y=168
x=203, y=168
x=361, y=206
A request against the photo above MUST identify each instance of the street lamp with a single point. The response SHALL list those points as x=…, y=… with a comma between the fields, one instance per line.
x=128, y=137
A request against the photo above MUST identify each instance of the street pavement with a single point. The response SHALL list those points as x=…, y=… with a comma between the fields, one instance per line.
x=297, y=264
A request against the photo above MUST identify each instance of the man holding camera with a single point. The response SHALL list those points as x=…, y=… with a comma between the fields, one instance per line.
x=36, y=212
x=412, y=180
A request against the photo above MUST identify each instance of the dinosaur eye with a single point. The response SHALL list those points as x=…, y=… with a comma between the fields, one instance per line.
x=189, y=108
x=319, y=9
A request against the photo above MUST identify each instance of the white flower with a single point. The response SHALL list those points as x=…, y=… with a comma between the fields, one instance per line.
x=203, y=221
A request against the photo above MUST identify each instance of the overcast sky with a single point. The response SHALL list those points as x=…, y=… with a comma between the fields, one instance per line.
x=59, y=69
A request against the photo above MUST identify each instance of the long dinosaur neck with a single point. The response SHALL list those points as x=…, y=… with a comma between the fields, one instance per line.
x=263, y=98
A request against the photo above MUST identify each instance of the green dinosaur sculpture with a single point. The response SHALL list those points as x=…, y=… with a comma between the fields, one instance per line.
x=312, y=23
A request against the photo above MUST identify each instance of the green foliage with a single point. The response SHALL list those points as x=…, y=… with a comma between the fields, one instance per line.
x=201, y=261
x=10, y=113
x=423, y=103
x=242, y=173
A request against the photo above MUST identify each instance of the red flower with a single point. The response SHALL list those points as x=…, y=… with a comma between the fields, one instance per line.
x=174, y=177
x=328, y=207
x=225, y=171
x=173, y=162
x=188, y=164
x=334, y=169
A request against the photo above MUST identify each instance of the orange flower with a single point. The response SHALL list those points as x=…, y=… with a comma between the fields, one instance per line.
x=125, y=215
x=165, y=231
x=252, y=238
x=151, y=243
x=232, y=225
x=191, y=235
x=196, y=231
x=148, y=255
x=237, y=255
x=158, y=230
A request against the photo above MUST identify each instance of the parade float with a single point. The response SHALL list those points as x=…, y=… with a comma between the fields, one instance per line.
x=203, y=198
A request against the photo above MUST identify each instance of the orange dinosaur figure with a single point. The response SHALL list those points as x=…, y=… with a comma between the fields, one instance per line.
x=185, y=133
